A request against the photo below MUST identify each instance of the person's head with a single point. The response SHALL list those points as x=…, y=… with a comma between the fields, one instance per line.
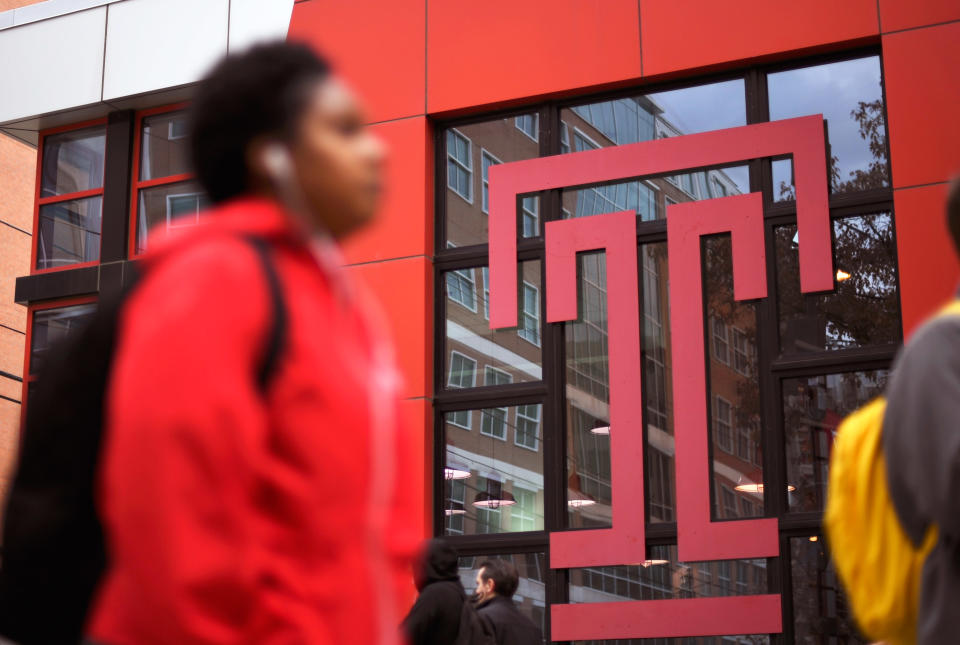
x=953, y=213
x=274, y=120
x=496, y=577
x=437, y=561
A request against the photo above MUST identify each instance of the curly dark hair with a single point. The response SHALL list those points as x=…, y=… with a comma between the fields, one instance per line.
x=262, y=91
x=504, y=574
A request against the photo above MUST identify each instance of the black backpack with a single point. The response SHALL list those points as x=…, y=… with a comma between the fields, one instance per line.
x=53, y=548
x=474, y=629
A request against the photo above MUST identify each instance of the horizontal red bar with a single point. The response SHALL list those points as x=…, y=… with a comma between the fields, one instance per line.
x=159, y=181
x=53, y=199
x=720, y=616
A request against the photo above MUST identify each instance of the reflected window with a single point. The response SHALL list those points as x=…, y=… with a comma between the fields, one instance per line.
x=530, y=325
x=454, y=508
x=721, y=344
x=849, y=94
x=460, y=165
x=486, y=160
x=528, y=426
x=529, y=124
x=724, y=424
x=462, y=288
x=514, y=352
x=530, y=214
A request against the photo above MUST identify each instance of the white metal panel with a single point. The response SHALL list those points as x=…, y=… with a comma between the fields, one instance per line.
x=52, y=65
x=52, y=9
x=253, y=21
x=154, y=44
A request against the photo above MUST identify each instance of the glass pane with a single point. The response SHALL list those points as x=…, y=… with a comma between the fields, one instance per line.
x=864, y=308
x=168, y=206
x=820, y=611
x=588, y=399
x=69, y=232
x=645, y=117
x=734, y=389
x=849, y=95
x=658, y=383
x=530, y=597
x=813, y=407
x=164, y=146
x=73, y=161
x=472, y=349
x=494, y=470
x=664, y=577
x=50, y=326
x=471, y=150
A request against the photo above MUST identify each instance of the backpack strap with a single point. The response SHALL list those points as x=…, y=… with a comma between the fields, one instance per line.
x=277, y=338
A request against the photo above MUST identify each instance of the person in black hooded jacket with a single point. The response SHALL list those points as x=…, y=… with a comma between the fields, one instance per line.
x=434, y=618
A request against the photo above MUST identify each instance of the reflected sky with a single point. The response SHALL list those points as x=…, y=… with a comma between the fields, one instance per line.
x=833, y=90
x=704, y=108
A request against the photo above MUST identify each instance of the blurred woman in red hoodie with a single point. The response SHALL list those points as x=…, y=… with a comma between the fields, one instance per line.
x=238, y=512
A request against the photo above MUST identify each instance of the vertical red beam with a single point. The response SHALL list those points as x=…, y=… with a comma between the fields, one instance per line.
x=698, y=538
x=616, y=233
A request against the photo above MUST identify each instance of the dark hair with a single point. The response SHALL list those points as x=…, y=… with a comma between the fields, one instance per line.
x=953, y=212
x=260, y=92
x=504, y=575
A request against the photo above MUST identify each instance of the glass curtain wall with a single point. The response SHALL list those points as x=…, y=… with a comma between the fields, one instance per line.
x=523, y=416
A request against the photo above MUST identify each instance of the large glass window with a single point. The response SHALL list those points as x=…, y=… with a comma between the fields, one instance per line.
x=479, y=146
x=494, y=469
x=849, y=94
x=51, y=326
x=71, y=198
x=515, y=353
x=166, y=196
x=525, y=423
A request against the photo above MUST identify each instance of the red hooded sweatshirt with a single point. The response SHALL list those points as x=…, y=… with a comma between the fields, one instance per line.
x=234, y=516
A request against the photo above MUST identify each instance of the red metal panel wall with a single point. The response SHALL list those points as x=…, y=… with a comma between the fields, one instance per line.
x=923, y=96
x=404, y=226
x=378, y=46
x=488, y=52
x=684, y=36
x=906, y=14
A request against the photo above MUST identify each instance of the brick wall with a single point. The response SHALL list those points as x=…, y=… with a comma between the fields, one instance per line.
x=17, y=179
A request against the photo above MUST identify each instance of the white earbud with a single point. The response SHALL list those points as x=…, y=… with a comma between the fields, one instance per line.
x=276, y=161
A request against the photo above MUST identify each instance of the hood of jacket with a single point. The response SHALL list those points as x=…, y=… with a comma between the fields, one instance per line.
x=438, y=562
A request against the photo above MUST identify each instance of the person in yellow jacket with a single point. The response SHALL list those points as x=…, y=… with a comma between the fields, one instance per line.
x=921, y=442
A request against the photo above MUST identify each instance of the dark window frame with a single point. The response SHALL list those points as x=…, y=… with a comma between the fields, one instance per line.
x=771, y=368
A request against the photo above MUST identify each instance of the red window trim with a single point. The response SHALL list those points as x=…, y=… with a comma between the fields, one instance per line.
x=29, y=378
x=136, y=185
x=38, y=201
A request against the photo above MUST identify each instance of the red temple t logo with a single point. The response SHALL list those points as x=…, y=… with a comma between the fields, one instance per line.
x=698, y=537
